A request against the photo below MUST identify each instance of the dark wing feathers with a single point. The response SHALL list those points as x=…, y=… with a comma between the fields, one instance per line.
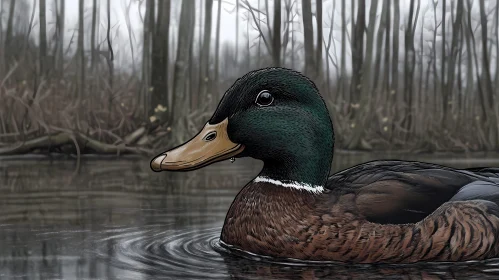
x=478, y=190
x=398, y=192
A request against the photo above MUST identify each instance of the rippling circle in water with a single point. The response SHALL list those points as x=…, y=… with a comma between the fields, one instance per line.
x=174, y=253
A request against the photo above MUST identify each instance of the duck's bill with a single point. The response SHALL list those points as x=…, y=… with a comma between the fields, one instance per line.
x=210, y=145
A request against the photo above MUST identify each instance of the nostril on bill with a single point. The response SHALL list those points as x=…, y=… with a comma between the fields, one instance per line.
x=210, y=136
x=156, y=163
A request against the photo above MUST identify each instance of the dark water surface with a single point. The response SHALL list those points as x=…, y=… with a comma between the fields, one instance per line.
x=116, y=219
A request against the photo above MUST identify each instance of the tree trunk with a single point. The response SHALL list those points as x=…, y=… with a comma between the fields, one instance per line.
x=387, y=54
x=190, y=73
x=217, y=41
x=81, y=51
x=395, y=61
x=8, y=35
x=366, y=89
x=2, y=44
x=419, y=108
x=489, y=91
x=342, y=82
x=456, y=29
x=237, y=33
x=473, y=53
x=259, y=51
x=434, y=58
x=93, y=52
x=379, y=40
x=485, y=53
x=308, y=37
x=469, y=60
x=357, y=55
x=159, y=69
x=205, y=52
x=443, y=64
x=146, y=57
x=328, y=47
x=60, y=55
x=318, y=17
x=409, y=64
x=497, y=48
x=460, y=77
x=276, y=34
x=292, y=46
x=186, y=25
x=200, y=53
x=110, y=61
x=43, y=37
x=395, y=64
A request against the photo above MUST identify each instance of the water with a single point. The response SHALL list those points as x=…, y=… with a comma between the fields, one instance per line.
x=116, y=219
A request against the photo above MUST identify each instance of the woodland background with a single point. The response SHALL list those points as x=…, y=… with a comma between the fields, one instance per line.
x=418, y=75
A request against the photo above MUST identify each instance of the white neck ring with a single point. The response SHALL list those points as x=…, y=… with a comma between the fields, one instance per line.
x=315, y=189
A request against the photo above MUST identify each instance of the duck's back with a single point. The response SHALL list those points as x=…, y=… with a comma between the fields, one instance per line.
x=399, y=192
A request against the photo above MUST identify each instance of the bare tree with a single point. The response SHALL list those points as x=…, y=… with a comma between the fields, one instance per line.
x=186, y=25
x=497, y=45
x=146, y=55
x=456, y=30
x=361, y=117
x=217, y=40
x=379, y=46
x=60, y=29
x=342, y=82
x=357, y=53
x=388, y=20
x=395, y=53
x=43, y=37
x=8, y=35
x=328, y=47
x=2, y=46
x=93, y=52
x=160, y=50
x=308, y=34
x=489, y=92
x=276, y=35
x=394, y=88
x=237, y=32
x=443, y=55
x=318, y=17
x=205, y=52
x=110, y=61
x=81, y=51
x=410, y=57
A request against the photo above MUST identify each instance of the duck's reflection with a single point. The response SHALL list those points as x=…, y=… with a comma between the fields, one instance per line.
x=243, y=268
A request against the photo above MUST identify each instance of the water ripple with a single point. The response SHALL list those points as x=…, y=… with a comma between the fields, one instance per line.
x=173, y=253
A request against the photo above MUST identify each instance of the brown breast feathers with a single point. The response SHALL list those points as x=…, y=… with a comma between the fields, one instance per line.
x=276, y=221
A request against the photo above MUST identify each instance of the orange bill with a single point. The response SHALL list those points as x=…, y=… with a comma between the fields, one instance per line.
x=210, y=145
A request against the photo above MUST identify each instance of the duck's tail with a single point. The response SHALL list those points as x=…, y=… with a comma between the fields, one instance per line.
x=490, y=172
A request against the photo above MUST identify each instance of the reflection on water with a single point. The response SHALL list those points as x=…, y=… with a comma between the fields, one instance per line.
x=116, y=219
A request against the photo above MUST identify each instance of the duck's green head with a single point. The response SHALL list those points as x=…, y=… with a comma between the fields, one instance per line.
x=273, y=114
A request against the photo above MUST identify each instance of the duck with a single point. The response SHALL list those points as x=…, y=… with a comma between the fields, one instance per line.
x=384, y=211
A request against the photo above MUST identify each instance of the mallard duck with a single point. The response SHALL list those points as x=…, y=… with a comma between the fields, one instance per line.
x=376, y=212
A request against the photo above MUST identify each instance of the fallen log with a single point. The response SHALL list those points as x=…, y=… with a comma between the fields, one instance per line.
x=83, y=142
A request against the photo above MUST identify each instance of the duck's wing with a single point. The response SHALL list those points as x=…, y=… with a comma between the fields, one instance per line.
x=398, y=192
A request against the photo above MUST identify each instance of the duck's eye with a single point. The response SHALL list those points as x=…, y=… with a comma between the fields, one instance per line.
x=210, y=136
x=264, y=98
